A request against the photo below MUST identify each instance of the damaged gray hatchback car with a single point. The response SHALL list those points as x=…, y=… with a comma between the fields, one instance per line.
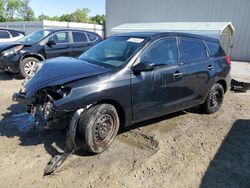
x=123, y=80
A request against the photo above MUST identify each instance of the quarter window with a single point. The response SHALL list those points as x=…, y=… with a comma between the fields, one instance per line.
x=79, y=37
x=15, y=33
x=215, y=49
x=192, y=50
x=92, y=38
x=4, y=35
x=162, y=52
x=62, y=37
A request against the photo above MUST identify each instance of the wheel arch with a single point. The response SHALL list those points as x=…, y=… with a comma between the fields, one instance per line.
x=34, y=55
x=223, y=83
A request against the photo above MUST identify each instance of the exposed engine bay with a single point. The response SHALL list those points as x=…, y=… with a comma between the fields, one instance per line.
x=46, y=116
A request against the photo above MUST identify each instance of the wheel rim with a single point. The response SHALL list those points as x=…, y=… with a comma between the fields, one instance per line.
x=104, y=129
x=215, y=99
x=29, y=68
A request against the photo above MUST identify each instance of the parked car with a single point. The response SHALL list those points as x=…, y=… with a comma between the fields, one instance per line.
x=22, y=56
x=10, y=35
x=126, y=79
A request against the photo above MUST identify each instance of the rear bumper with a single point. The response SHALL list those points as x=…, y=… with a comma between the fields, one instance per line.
x=10, y=63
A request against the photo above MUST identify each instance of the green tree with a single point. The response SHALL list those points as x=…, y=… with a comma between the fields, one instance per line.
x=27, y=14
x=13, y=8
x=2, y=10
x=43, y=17
x=99, y=19
x=67, y=18
x=81, y=15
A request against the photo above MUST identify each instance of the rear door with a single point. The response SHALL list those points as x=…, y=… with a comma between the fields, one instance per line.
x=80, y=43
x=61, y=46
x=198, y=70
x=159, y=91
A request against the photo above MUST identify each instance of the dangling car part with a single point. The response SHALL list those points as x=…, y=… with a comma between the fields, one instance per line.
x=238, y=86
x=58, y=160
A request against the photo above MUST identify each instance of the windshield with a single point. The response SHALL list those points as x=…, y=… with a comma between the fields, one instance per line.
x=35, y=37
x=114, y=51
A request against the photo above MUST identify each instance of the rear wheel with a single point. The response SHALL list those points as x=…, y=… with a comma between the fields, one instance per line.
x=214, y=99
x=98, y=127
x=27, y=67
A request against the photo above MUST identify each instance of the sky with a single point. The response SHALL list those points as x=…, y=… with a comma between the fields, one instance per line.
x=59, y=7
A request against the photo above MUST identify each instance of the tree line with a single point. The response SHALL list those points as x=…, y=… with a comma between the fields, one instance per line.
x=19, y=10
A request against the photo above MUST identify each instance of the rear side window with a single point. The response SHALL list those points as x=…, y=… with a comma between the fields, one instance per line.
x=4, y=35
x=79, y=37
x=15, y=33
x=215, y=49
x=162, y=52
x=192, y=50
x=92, y=38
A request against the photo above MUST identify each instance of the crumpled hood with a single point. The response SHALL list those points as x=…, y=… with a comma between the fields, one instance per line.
x=60, y=71
x=7, y=45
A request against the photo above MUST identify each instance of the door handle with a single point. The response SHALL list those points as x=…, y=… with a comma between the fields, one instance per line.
x=178, y=74
x=210, y=67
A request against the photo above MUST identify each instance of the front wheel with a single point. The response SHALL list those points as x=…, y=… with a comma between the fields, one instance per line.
x=98, y=127
x=214, y=99
x=27, y=67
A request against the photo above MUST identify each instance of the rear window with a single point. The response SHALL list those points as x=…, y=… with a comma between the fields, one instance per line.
x=4, y=35
x=92, y=38
x=192, y=50
x=79, y=37
x=215, y=49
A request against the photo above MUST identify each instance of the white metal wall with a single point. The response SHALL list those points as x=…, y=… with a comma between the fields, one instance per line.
x=29, y=27
x=135, y=11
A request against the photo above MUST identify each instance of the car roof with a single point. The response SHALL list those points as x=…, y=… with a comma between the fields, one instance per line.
x=7, y=29
x=66, y=29
x=155, y=35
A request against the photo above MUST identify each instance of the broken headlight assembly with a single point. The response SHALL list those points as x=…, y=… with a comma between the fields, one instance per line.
x=12, y=50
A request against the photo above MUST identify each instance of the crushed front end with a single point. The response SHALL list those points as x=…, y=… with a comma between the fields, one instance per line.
x=41, y=107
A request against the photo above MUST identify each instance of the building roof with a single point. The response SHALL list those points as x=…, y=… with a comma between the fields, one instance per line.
x=153, y=35
x=212, y=29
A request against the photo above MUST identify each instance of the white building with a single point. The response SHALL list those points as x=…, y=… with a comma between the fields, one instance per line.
x=145, y=11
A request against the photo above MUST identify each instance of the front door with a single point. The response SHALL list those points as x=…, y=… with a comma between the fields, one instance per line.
x=159, y=91
x=61, y=46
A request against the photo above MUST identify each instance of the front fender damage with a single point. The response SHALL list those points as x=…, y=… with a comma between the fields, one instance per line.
x=47, y=116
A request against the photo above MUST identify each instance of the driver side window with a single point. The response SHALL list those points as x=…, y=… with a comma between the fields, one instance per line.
x=162, y=52
x=61, y=37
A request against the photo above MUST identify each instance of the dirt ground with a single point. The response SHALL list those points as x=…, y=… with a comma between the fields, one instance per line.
x=185, y=149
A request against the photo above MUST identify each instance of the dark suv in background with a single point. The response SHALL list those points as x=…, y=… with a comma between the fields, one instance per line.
x=126, y=79
x=23, y=55
x=10, y=35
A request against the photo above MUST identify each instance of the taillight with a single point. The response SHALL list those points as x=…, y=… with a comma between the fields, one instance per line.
x=228, y=60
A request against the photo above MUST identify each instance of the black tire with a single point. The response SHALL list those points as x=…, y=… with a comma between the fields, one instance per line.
x=97, y=128
x=25, y=63
x=214, y=99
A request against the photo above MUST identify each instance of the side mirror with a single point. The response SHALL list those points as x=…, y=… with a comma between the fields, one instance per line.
x=51, y=43
x=143, y=67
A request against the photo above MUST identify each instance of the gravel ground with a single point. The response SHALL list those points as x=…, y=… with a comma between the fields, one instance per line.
x=185, y=149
